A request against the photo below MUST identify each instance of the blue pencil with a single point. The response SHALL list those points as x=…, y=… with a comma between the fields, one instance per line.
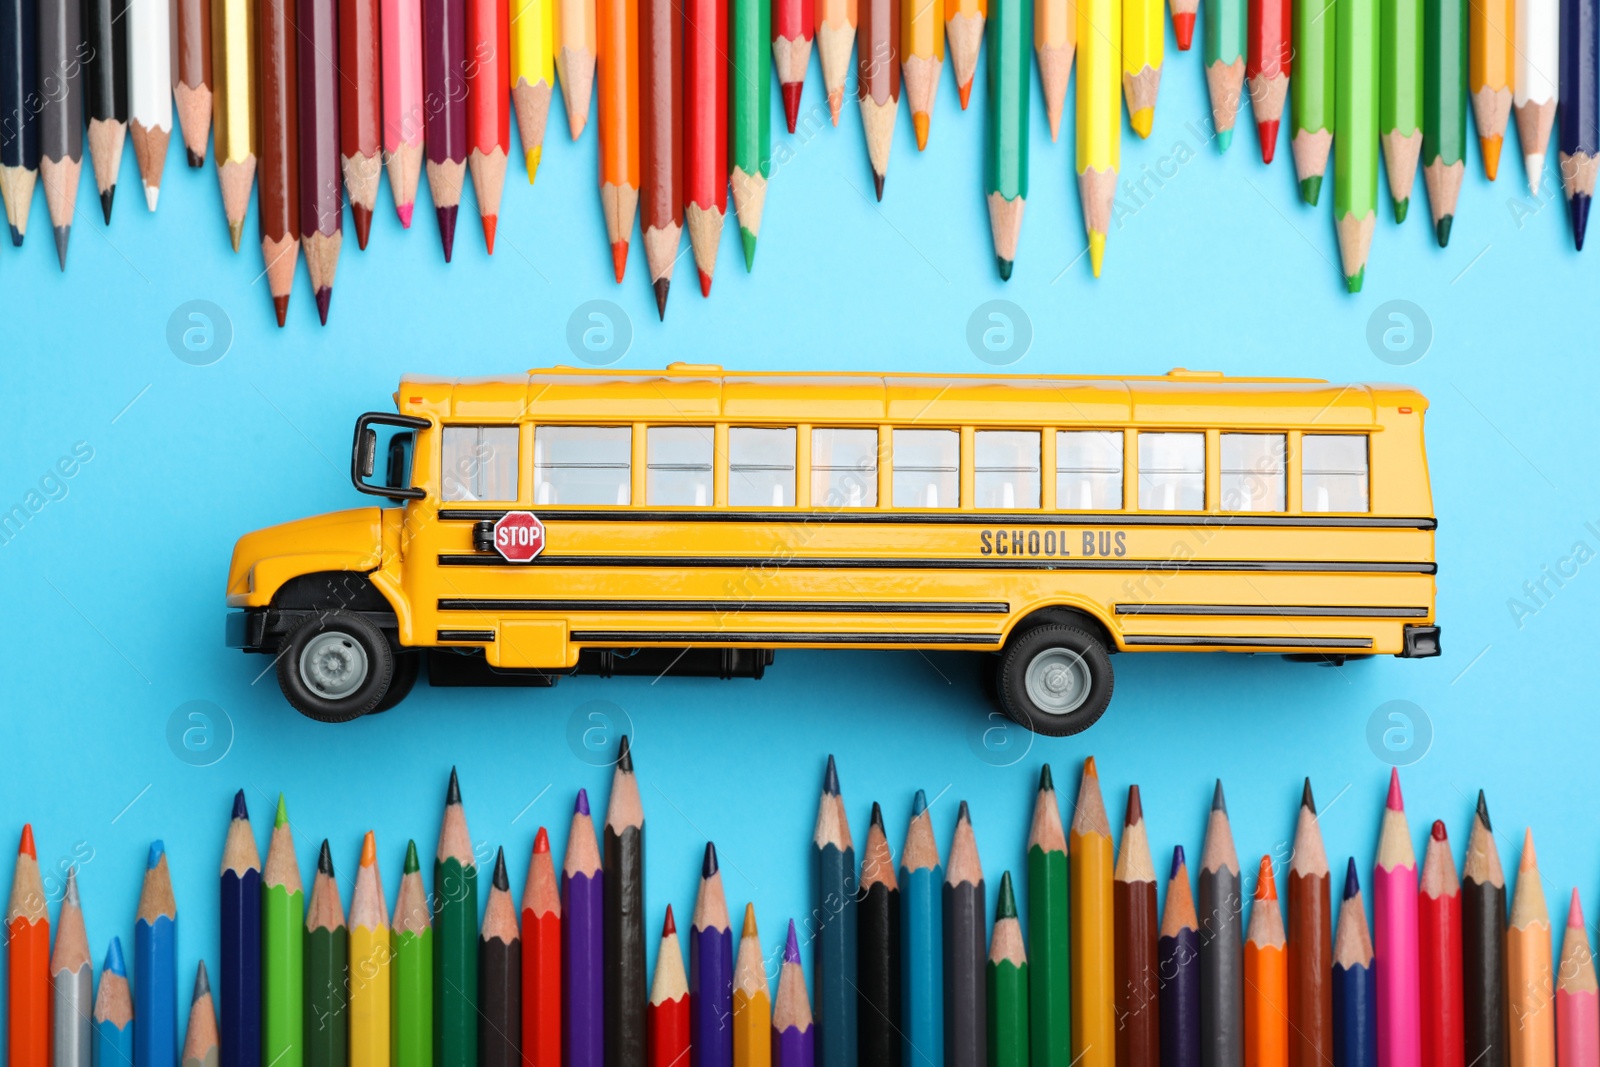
x=710, y=972
x=1355, y=990
x=239, y=991
x=921, y=941
x=113, y=1011
x=1580, y=109
x=1178, y=969
x=835, y=953
x=155, y=967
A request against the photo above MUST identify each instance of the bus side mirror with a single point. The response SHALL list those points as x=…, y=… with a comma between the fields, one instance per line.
x=364, y=455
x=367, y=451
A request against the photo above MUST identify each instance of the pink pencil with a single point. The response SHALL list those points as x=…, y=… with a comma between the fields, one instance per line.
x=403, y=117
x=1394, y=948
x=1577, y=999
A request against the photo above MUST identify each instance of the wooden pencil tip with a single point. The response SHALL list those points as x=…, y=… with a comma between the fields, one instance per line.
x=1135, y=808
x=25, y=846
x=1575, y=911
x=490, y=224
x=114, y=962
x=1529, y=858
x=447, y=229
x=369, y=849
x=919, y=803
x=1178, y=861
x=619, y=259
x=240, y=811
x=1307, y=801
x=282, y=816
x=236, y=234
x=1183, y=29
x=791, y=103
x=963, y=92
x=749, y=929
x=1089, y=770
x=709, y=866
x=325, y=859
x=1005, y=905
x=280, y=308
x=877, y=816
x=1438, y=831
x=662, y=286
x=1395, y=801
x=405, y=212
x=1218, y=801
x=202, y=984
x=110, y=195
x=668, y=926
x=791, y=947
x=581, y=805
x=963, y=814
x=877, y=185
x=1483, y=812
x=830, y=778
x=1046, y=780
x=324, y=298
x=362, y=217
x=453, y=790
x=1266, y=884
x=158, y=849
x=541, y=841
x=624, y=755
x=412, y=865
x=500, y=880
x=1352, y=880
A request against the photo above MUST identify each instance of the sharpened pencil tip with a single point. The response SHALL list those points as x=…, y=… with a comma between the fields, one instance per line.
x=1006, y=267
x=791, y=103
x=541, y=841
x=749, y=929
x=453, y=790
x=877, y=816
x=1005, y=905
x=282, y=816
x=624, y=755
x=324, y=297
x=1530, y=858
x=705, y=283
x=196, y=159
x=362, y=217
x=1352, y=880
x=1441, y=231
x=71, y=894
x=412, y=864
x=1142, y=120
x=1266, y=884
x=1135, y=808
x=1483, y=812
x=114, y=961
x=1183, y=29
x=1395, y=802
x=16, y=236
x=1178, y=861
x=662, y=286
x=236, y=234
x=158, y=849
x=280, y=308
x=619, y=259
x=668, y=925
x=919, y=126
x=491, y=223
x=1267, y=134
x=1490, y=148
x=1402, y=208
x=1307, y=801
x=963, y=93
x=405, y=211
x=1224, y=139
x=1580, y=218
x=1046, y=780
x=369, y=849
x=500, y=880
x=110, y=195
x=791, y=947
x=532, y=157
x=581, y=805
x=919, y=803
x=240, y=811
x=830, y=778
x=325, y=859
x=447, y=228
x=1352, y=282
x=748, y=240
x=1575, y=911
x=1218, y=801
x=963, y=814
x=62, y=235
x=1311, y=190
x=709, y=866
x=1438, y=832
x=1089, y=769
x=877, y=188
x=202, y=984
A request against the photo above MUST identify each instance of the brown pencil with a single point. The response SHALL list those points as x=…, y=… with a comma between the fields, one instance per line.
x=280, y=149
x=360, y=110
x=661, y=140
x=192, y=86
x=1133, y=899
x=321, y=183
x=1310, y=943
x=878, y=80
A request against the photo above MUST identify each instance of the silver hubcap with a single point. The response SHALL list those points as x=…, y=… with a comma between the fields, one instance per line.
x=333, y=665
x=1058, y=681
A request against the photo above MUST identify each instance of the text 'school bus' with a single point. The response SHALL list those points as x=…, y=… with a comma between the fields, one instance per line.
x=695, y=520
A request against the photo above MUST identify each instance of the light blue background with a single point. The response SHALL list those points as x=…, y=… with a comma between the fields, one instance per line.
x=112, y=593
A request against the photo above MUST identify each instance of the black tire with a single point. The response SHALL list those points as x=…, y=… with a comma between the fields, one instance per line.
x=1078, y=652
x=342, y=638
x=407, y=665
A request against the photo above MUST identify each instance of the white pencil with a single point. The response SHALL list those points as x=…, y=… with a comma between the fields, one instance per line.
x=150, y=90
x=1538, y=62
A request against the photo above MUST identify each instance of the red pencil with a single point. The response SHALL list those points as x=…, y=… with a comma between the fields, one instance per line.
x=488, y=106
x=1266, y=67
x=705, y=130
x=792, y=27
x=360, y=110
x=1439, y=950
x=541, y=959
x=669, y=1003
x=661, y=140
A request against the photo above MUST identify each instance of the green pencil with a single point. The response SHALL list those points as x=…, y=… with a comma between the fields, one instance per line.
x=1400, y=96
x=1311, y=104
x=750, y=134
x=283, y=911
x=1355, y=149
x=1225, y=22
x=1007, y=975
x=1050, y=988
x=455, y=935
x=327, y=971
x=411, y=972
x=1010, y=33
x=1444, y=110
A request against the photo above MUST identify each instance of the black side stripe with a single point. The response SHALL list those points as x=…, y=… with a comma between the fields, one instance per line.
x=853, y=516
x=1275, y=611
x=729, y=637
x=1249, y=642
x=859, y=607
x=1012, y=563
x=484, y=636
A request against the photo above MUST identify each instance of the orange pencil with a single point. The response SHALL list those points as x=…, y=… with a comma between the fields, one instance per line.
x=835, y=36
x=963, y=29
x=488, y=80
x=1055, y=37
x=617, y=27
x=28, y=962
x=1266, y=978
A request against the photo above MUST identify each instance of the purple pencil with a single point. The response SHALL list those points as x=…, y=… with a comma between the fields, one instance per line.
x=583, y=943
x=444, y=83
x=793, y=1040
x=710, y=972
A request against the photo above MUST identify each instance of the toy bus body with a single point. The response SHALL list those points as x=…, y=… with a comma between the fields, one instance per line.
x=701, y=509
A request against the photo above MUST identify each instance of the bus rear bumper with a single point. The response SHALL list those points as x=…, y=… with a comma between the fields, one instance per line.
x=1420, y=642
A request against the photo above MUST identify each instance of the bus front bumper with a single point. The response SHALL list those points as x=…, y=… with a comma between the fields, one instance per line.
x=1420, y=642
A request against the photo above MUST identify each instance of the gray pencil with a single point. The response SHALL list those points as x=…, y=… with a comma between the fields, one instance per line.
x=1221, y=947
x=61, y=113
x=72, y=983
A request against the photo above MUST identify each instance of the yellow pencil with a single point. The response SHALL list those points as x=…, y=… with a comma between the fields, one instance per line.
x=1144, y=43
x=1055, y=34
x=1099, y=123
x=1091, y=864
x=921, y=59
x=533, y=73
x=752, y=1002
x=233, y=57
x=963, y=26
x=369, y=964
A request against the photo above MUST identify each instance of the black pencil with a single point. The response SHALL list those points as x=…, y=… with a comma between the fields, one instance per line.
x=1221, y=946
x=627, y=983
x=500, y=976
x=1483, y=946
x=878, y=954
x=966, y=1000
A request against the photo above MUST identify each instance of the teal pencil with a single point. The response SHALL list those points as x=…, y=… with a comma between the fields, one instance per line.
x=921, y=940
x=113, y=1011
x=155, y=967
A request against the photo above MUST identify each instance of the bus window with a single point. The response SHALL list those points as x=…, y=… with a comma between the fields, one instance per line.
x=1172, y=471
x=582, y=464
x=844, y=468
x=1006, y=469
x=479, y=463
x=1333, y=472
x=679, y=465
x=927, y=469
x=1089, y=470
x=1253, y=471
x=760, y=467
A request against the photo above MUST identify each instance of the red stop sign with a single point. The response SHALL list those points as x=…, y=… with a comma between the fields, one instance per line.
x=519, y=536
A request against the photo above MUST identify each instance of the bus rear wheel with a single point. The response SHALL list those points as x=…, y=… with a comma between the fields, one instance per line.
x=335, y=666
x=1054, y=680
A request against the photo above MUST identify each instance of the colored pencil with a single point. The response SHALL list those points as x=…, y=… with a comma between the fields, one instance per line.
x=1491, y=57
x=500, y=979
x=878, y=954
x=753, y=1039
x=280, y=153
x=533, y=74
x=1266, y=977
x=834, y=943
x=191, y=87
x=617, y=72
x=793, y=23
x=710, y=971
x=361, y=109
x=1439, y=950
x=1534, y=87
x=793, y=1036
x=1400, y=103
x=705, y=131
x=669, y=1002
x=1483, y=946
x=835, y=36
x=583, y=995
x=1580, y=110
x=321, y=180
x=1310, y=942
x=966, y=1042
x=661, y=141
x=1355, y=148
x=922, y=935
x=370, y=961
x=1444, y=110
x=155, y=966
x=488, y=107
x=455, y=938
x=1312, y=105
x=576, y=44
x=200, y=1040
x=1055, y=38
x=1221, y=950
x=113, y=1012
x=1050, y=984
x=444, y=93
x=964, y=22
x=1394, y=912
x=1268, y=58
x=1178, y=955
x=233, y=62
x=283, y=909
x=1006, y=155
x=150, y=95
x=750, y=86
x=1144, y=44
x=72, y=983
x=19, y=113
x=1092, y=869
x=1577, y=999
x=1135, y=934
x=105, y=77
x=921, y=60
x=878, y=80
x=1528, y=971
x=327, y=969
x=626, y=980
x=1355, y=994
x=1006, y=978
x=404, y=120
x=1226, y=27
x=1099, y=97
x=240, y=977
x=1184, y=13
x=541, y=958
x=412, y=975
x=61, y=113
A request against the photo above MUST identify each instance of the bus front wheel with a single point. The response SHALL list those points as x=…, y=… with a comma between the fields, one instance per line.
x=1054, y=680
x=335, y=666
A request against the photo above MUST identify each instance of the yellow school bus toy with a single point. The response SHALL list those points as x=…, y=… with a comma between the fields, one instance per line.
x=694, y=520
